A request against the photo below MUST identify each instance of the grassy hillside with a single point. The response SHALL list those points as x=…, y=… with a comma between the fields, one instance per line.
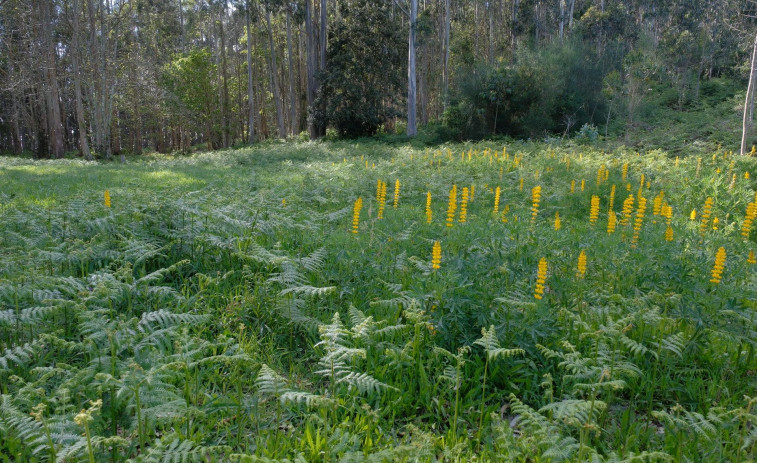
x=251, y=305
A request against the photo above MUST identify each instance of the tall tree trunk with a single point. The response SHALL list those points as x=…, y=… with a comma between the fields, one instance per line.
x=52, y=97
x=226, y=130
x=292, y=102
x=322, y=67
x=412, y=130
x=562, y=20
x=83, y=144
x=490, y=7
x=445, y=69
x=181, y=24
x=572, y=6
x=275, y=79
x=311, y=68
x=250, y=97
x=514, y=26
x=749, y=102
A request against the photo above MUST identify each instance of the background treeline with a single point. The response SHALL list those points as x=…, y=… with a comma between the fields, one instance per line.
x=109, y=77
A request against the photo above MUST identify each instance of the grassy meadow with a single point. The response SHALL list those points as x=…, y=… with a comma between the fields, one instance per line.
x=305, y=302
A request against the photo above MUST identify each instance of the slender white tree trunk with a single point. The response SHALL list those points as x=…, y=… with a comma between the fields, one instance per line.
x=275, y=80
x=749, y=102
x=412, y=130
x=251, y=117
x=77, y=86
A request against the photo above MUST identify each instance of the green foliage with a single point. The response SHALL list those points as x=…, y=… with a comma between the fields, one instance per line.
x=203, y=318
x=363, y=79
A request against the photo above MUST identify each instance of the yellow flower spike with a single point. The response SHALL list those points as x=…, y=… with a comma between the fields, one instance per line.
x=558, y=223
x=504, y=213
x=373, y=165
x=381, y=198
x=107, y=198
x=583, y=184
x=594, y=209
x=520, y=186
x=657, y=204
x=607, y=174
x=572, y=186
x=612, y=221
x=428, y=207
x=366, y=164
x=436, y=256
x=751, y=213
x=715, y=223
x=677, y=161
x=717, y=268
x=600, y=175
x=284, y=202
x=746, y=175
x=639, y=221
x=452, y=206
x=535, y=200
x=612, y=198
x=581, y=266
x=464, y=206
x=699, y=165
x=624, y=174
x=706, y=212
x=356, y=214
x=628, y=186
x=669, y=233
x=649, y=184
x=497, y=193
x=627, y=210
x=751, y=259
x=501, y=171
x=733, y=182
x=541, y=278
x=754, y=150
x=396, y=192
x=472, y=192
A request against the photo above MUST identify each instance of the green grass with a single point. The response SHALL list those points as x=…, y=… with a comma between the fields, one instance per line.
x=222, y=309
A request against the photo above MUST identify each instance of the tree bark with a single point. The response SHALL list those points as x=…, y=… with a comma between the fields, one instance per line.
x=52, y=96
x=83, y=144
x=275, y=79
x=311, y=68
x=749, y=102
x=412, y=130
x=445, y=70
x=251, y=98
x=292, y=102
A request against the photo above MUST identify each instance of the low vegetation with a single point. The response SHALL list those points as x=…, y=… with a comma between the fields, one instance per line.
x=328, y=302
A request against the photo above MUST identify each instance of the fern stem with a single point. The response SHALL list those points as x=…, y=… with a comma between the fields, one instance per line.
x=483, y=398
x=90, y=451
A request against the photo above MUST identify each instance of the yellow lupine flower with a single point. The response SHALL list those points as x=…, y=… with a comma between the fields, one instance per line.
x=612, y=198
x=669, y=233
x=396, y=192
x=639, y=221
x=751, y=213
x=356, y=214
x=541, y=278
x=715, y=223
x=428, y=207
x=594, y=209
x=583, y=184
x=706, y=212
x=497, y=192
x=520, y=186
x=572, y=186
x=625, y=172
x=612, y=221
x=436, y=256
x=535, y=199
x=452, y=206
x=107, y=198
x=464, y=206
x=558, y=223
x=657, y=204
x=676, y=161
x=717, y=268
x=284, y=202
x=693, y=215
x=472, y=192
x=751, y=259
x=581, y=266
x=504, y=213
x=746, y=175
x=627, y=210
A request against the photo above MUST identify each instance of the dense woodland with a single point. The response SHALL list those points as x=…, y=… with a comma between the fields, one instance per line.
x=110, y=77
